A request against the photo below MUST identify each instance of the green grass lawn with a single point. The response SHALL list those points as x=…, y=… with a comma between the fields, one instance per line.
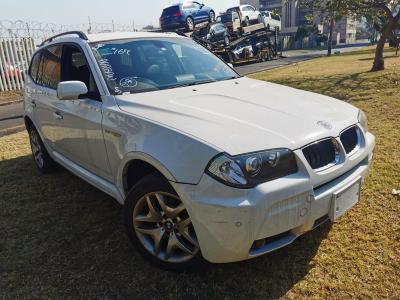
x=62, y=238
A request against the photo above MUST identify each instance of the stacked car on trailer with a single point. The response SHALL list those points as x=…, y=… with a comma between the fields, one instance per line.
x=236, y=38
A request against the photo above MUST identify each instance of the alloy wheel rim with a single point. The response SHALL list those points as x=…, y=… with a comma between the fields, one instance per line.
x=164, y=228
x=36, y=149
x=190, y=23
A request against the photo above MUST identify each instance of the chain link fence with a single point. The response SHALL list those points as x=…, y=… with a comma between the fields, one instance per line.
x=42, y=30
x=18, y=40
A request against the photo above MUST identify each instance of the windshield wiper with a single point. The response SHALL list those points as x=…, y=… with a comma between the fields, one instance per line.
x=188, y=84
x=201, y=82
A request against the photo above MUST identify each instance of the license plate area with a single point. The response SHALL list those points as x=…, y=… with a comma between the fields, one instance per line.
x=345, y=199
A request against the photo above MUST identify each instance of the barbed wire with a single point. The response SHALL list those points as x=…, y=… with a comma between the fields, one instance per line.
x=42, y=30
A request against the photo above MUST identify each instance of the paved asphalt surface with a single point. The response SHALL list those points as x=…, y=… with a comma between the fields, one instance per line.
x=11, y=116
x=291, y=57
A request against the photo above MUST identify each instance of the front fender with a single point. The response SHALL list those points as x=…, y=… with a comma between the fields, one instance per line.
x=143, y=157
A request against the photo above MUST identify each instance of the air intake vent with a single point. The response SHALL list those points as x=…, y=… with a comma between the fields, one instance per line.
x=322, y=154
x=349, y=139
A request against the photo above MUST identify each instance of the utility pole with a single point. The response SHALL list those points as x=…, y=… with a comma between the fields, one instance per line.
x=27, y=28
x=90, y=25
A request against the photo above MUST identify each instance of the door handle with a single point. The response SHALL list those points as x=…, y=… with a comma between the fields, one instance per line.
x=33, y=103
x=57, y=116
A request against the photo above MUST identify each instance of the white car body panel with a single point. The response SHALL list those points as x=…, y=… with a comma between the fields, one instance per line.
x=252, y=13
x=270, y=22
x=244, y=115
x=179, y=131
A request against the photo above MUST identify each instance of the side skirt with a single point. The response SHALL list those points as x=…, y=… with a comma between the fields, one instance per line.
x=98, y=182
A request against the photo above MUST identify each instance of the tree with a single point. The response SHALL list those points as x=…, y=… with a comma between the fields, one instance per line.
x=327, y=12
x=385, y=11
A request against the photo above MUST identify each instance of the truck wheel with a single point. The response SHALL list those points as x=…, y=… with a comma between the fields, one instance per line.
x=159, y=225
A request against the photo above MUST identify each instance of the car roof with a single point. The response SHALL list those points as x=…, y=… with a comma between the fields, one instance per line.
x=99, y=37
x=107, y=36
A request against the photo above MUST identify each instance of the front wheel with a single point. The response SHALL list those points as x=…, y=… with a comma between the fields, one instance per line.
x=159, y=225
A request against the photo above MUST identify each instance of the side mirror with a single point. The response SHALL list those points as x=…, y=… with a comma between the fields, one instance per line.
x=71, y=90
x=202, y=5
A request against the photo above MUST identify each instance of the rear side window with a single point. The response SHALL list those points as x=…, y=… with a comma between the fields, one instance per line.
x=232, y=10
x=171, y=10
x=188, y=5
x=276, y=17
x=49, y=73
x=33, y=69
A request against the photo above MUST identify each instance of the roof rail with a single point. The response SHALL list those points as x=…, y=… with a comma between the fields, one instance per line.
x=81, y=34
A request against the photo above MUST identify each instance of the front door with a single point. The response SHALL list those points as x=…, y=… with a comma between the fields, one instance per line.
x=79, y=133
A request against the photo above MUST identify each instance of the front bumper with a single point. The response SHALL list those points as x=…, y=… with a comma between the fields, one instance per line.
x=228, y=221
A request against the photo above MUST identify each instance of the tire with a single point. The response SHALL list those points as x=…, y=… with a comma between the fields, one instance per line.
x=189, y=24
x=268, y=27
x=158, y=223
x=41, y=157
x=211, y=16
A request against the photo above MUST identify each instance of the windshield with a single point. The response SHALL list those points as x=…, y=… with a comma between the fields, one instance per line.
x=144, y=65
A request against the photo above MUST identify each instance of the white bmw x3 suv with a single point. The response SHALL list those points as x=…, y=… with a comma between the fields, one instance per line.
x=206, y=163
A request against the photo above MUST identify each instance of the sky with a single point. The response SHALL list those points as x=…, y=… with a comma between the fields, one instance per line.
x=143, y=13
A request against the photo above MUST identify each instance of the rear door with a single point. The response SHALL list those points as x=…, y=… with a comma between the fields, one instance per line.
x=45, y=72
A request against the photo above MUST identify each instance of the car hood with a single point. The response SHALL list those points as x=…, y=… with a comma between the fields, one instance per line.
x=244, y=115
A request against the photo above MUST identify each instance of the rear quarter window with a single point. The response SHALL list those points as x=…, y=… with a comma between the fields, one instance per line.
x=34, y=67
x=49, y=73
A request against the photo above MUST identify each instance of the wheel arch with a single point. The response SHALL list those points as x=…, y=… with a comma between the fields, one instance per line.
x=135, y=166
x=28, y=122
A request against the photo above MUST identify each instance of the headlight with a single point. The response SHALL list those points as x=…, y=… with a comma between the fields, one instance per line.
x=362, y=118
x=249, y=170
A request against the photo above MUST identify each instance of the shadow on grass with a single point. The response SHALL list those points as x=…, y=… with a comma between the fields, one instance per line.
x=62, y=238
x=372, y=58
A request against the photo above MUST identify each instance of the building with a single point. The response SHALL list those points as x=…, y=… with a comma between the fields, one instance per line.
x=294, y=16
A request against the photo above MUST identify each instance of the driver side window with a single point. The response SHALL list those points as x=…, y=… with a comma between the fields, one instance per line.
x=196, y=5
x=75, y=67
